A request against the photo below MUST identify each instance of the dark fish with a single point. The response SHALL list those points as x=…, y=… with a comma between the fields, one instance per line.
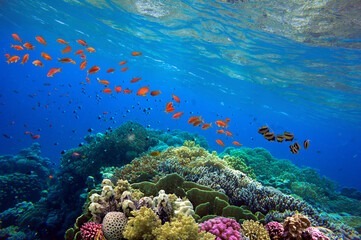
x=270, y=136
x=288, y=136
x=297, y=146
x=293, y=149
x=280, y=138
x=262, y=130
x=6, y=136
x=90, y=130
x=306, y=144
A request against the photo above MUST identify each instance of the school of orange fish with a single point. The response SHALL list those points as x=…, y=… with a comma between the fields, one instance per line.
x=222, y=125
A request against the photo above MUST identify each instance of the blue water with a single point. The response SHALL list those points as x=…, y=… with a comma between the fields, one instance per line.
x=219, y=62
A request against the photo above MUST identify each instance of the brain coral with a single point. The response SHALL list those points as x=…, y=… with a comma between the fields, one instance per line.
x=254, y=230
x=113, y=225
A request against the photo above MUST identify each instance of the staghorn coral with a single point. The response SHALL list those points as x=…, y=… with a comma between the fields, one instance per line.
x=294, y=226
x=254, y=230
x=141, y=226
x=113, y=225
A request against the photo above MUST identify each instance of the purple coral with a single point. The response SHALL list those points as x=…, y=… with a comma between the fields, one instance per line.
x=90, y=230
x=275, y=230
x=223, y=228
x=312, y=233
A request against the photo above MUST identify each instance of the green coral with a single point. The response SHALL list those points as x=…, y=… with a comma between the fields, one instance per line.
x=238, y=163
x=141, y=226
x=182, y=228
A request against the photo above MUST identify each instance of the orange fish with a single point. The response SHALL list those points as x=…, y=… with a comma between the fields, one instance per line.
x=107, y=90
x=177, y=115
x=67, y=49
x=135, y=79
x=122, y=62
x=169, y=107
x=236, y=143
x=40, y=39
x=93, y=69
x=228, y=133
x=104, y=82
x=220, y=142
x=90, y=49
x=25, y=58
x=193, y=119
x=7, y=55
x=46, y=56
x=155, y=93
x=37, y=136
x=205, y=126
x=16, y=37
x=118, y=89
x=143, y=91
x=17, y=47
x=82, y=56
x=13, y=59
x=220, y=131
x=37, y=63
x=66, y=60
x=28, y=46
x=79, y=52
x=82, y=42
x=221, y=123
x=124, y=69
x=83, y=64
x=127, y=91
x=110, y=70
x=135, y=53
x=52, y=71
x=176, y=98
x=61, y=41
x=197, y=122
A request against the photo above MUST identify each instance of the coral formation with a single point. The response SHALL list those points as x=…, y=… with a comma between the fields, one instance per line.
x=254, y=230
x=141, y=226
x=294, y=226
x=113, y=225
x=90, y=230
x=223, y=228
x=275, y=230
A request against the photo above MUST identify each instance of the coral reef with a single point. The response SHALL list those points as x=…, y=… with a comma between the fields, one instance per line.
x=90, y=231
x=275, y=230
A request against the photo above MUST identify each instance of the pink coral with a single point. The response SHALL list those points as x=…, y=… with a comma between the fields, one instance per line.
x=275, y=230
x=313, y=233
x=90, y=230
x=223, y=228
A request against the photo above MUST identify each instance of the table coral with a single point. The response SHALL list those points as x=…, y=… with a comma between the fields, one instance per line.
x=223, y=228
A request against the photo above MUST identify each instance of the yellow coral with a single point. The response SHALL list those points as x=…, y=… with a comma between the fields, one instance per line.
x=141, y=225
x=254, y=230
x=181, y=228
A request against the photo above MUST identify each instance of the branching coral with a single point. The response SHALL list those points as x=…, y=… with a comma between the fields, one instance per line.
x=254, y=230
x=141, y=226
